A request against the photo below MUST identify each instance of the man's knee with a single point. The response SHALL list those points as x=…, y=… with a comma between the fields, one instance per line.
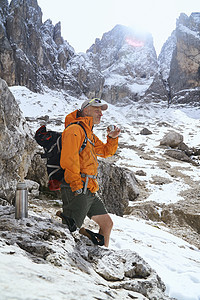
x=109, y=222
x=104, y=221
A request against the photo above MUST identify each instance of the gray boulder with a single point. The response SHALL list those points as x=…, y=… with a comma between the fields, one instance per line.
x=172, y=139
x=145, y=131
x=179, y=155
x=118, y=186
x=16, y=144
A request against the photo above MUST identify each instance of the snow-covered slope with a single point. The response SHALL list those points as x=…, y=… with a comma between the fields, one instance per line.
x=176, y=261
x=136, y=151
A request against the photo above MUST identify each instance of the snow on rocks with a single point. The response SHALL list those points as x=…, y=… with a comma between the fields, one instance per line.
x=46, y=250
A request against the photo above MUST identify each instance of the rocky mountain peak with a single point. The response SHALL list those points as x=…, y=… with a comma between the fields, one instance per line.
x=119, y=35
x=57, y=35
x=184, y=68
x=128, y=62
x=119, y=41
x=192, y=22
x=179, y=61
x=27, y=11
x=23, y=22
x=33, y=54
x=120, y=67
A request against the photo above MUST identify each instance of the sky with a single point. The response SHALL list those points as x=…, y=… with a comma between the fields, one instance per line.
x=84, y=21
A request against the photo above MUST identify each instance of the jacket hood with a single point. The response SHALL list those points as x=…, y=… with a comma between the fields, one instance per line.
x=75, y=116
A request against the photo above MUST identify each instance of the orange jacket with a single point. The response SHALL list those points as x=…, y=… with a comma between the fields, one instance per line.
x=76, y=164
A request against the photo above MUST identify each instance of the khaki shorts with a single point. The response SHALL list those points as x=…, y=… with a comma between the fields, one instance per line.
x=80, y=206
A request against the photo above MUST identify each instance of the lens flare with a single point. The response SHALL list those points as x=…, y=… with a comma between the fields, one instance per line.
x=134, y=43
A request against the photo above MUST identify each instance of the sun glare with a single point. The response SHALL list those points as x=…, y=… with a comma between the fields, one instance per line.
x=134, y=43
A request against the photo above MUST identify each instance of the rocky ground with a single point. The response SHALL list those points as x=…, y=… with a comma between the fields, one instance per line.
x=182, y=217
x=44, y=241
x=168, y=197
x=167, y=174
x=166, y=178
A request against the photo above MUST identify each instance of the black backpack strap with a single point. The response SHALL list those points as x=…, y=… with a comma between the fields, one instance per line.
x=49, y=153
x=85, y=140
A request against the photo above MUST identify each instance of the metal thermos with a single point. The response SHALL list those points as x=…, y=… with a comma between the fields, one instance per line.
x=21, y=201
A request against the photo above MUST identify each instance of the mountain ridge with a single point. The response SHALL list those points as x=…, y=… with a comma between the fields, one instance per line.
x=120, y=67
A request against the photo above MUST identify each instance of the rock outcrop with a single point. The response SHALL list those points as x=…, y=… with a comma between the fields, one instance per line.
x=32, y=53
x=183, y=217
x=16, y=145
x=118, y=186
x=127, y=61
x=180, y=60
x=121, y=67
x=172, y=139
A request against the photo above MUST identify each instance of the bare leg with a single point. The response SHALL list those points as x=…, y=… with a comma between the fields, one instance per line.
x=105, y=223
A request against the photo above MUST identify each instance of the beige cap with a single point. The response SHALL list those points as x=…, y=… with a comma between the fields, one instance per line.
x=94, y=102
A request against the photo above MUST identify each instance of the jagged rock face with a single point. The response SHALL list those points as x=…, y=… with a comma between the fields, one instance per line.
x=128, y=62
x=7, y=65
x=82, y=76
x=186, y=59
x=36, y=53
x=121, y=67
x=181, y=55
x=16, y=147
x=38, y=172
x=118, y=186
x=113, y=48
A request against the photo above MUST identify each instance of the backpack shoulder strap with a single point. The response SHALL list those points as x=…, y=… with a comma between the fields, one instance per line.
x=85, y=140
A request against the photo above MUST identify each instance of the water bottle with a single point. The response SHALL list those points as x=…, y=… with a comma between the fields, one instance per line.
x=21, y=201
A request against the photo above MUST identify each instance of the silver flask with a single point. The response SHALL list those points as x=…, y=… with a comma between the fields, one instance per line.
x=21, y=201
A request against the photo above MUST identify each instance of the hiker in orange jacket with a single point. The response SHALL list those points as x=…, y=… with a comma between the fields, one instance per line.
x=80, y=185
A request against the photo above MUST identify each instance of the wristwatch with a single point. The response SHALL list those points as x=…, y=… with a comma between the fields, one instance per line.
x=79, y=191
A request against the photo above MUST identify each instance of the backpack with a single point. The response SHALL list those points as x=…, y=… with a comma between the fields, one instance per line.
x=51, y=141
